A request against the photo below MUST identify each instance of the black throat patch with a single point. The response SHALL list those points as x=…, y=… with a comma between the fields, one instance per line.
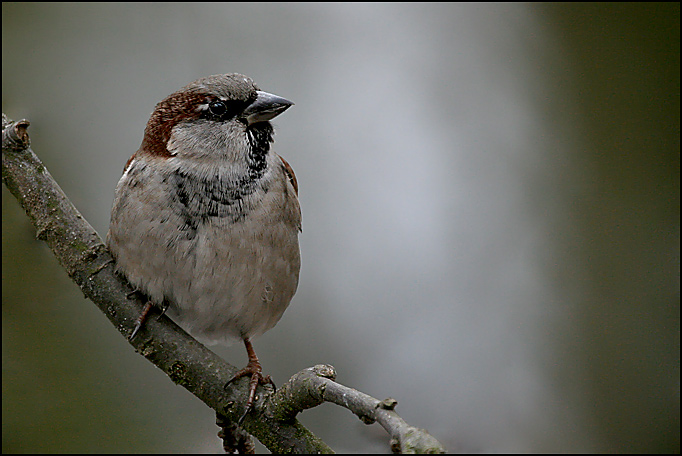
x=260, y=137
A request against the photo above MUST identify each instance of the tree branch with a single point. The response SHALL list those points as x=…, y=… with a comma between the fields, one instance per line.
x=187, y=362
x=315, y=385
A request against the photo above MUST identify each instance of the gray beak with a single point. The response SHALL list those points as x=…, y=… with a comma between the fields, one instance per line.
x=266, y=106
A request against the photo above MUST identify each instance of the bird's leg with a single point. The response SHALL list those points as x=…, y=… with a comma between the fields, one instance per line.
x=141, y=319
x=253, y=369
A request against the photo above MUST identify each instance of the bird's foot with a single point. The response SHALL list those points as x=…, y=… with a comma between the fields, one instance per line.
x=254, y=370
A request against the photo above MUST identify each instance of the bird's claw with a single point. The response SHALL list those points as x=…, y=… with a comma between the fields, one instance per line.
x=254, y=370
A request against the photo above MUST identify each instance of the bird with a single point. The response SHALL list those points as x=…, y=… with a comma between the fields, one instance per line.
x=206, y=218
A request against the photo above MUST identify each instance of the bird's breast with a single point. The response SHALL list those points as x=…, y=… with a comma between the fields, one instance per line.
x=221, y=249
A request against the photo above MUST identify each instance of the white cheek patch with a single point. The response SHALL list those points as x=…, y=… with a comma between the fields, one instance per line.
x=182, y=141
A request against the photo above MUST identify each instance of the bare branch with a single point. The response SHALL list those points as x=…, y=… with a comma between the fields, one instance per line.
x=187, y=362
x=312, y=386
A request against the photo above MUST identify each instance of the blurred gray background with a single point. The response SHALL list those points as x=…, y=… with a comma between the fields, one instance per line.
x=490, y=201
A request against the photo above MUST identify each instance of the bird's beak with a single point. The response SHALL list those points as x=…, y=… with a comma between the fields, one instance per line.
x=266, y=106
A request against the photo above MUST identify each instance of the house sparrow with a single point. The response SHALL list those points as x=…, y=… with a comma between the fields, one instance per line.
x=206, y=217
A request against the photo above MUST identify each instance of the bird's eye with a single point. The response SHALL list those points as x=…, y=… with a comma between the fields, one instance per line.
x=217, y=108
